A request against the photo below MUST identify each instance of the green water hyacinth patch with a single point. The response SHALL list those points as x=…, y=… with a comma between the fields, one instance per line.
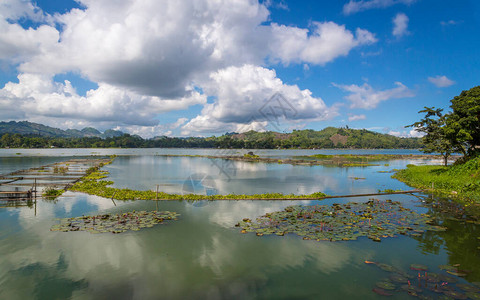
x=115, y=223
x=94, y=185
x=374, y=219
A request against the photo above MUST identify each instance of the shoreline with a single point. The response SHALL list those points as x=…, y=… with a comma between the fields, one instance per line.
x=341, y=160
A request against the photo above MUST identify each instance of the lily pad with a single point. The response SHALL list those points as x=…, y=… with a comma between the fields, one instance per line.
x=374, y=219
x=411, y=288
x=446, y=278
x=381, y=292
x=398, y=278
x=432, y=277
x=424, y=297
x=117, y=223
x=447, y=268
x=418, y=267
x=424, y=283
x=386, y=267
x=386, y=285
x=473, y=296
x=455, y=295
x=468, y=288
x=457, y=273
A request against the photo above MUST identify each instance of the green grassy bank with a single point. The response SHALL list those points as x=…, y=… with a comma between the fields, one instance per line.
x=460, y=181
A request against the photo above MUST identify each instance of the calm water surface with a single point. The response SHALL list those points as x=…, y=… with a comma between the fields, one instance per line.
x=202, y=255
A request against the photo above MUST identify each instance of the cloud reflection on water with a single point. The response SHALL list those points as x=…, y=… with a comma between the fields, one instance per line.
x=193, y=256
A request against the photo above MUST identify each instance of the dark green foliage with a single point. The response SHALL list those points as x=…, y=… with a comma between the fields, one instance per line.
x=435, y=139
x=457, y=131
x=463, y=124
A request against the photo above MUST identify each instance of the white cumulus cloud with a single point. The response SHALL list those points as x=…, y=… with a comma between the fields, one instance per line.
x=449, y=23
x=400, y=25
x=38, y=97
x=244, y=102
x=441, y=81
x=14, y=10
x=158, y=48
x=149, y=57
x=355, y=6
x=356, y=117
x=327, y=42
x=404, y=133
x=367, y=97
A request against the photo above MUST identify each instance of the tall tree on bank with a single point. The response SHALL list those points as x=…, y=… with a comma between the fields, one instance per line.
x=463, y=124
x=435, y=138
x=457, y=131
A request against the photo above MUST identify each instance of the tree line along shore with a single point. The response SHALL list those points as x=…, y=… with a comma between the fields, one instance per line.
x=328, y=138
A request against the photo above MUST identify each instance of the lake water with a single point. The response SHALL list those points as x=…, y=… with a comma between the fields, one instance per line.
x=202, y=255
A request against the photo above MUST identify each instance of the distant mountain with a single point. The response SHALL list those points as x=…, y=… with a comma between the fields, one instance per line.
x=109, y=133
x=29, y=128
x=90, y=131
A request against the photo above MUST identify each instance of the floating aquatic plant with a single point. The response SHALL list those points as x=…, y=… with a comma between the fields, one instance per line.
x=419, y=283
x=418, y=267
x=386, y=285
x=381, y=292
x=374, y=219
x=114, y=223
x=91, y=184
x=52, y=193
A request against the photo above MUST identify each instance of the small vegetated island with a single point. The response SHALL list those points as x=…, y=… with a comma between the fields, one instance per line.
x=93, y=184
x=457, y=131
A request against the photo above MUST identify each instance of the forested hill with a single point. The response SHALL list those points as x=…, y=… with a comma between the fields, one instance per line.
x=330, y=137
x=35, y=129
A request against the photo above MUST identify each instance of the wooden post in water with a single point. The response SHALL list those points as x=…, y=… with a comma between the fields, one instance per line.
x=112, y=198
x=35, y=181
x=156, y=196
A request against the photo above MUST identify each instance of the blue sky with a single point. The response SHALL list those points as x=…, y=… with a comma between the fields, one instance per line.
x=208, y=67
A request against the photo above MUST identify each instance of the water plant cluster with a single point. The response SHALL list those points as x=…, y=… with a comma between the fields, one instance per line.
x=419, y=281
x=357, y=157
x=115, y=223
x=60, y=169
x=93, y=185
x=337, y=160
x=374, y=219
x=359, y=165
x=449, y=209
x=52, y=193
x=251, y=155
